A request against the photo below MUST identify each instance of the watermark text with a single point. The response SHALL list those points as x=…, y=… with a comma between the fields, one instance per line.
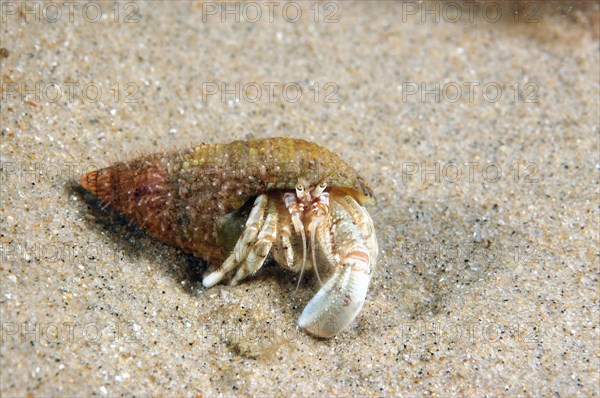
x=470, y=92
x=254, y=92
x=54, y=92
x=69, y=11
x=270, y=11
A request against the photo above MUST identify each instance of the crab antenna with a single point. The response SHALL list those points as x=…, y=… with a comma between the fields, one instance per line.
x=300, y=228
x=313, y=228
x=295, y=208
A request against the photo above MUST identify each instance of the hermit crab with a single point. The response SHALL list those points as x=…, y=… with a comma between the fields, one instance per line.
x=235, y=205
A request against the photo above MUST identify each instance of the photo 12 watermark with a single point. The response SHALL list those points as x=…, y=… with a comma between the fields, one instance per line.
x=417, y=338
x=492, y=11
x=454, y=172
x=69, y=92
x=68, y=332
x=52, y=12
x=30, y=172
x=470, y=92
x=270, y=11
x=75, y=253
x=473, y=251
x=253, y=92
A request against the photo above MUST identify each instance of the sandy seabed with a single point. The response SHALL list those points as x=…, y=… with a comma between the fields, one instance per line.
x=476, y=126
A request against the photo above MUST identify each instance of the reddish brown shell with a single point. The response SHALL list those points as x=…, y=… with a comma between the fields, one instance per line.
x=182, y=197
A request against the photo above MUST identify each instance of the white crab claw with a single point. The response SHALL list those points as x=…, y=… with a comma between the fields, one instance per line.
x=340, y=300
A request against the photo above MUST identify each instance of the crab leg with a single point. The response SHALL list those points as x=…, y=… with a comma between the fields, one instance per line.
x=240, y=251
x=260, y=250
x=286, y=245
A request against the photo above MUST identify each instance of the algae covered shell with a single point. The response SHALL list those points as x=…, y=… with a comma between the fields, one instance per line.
x=199, y=198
